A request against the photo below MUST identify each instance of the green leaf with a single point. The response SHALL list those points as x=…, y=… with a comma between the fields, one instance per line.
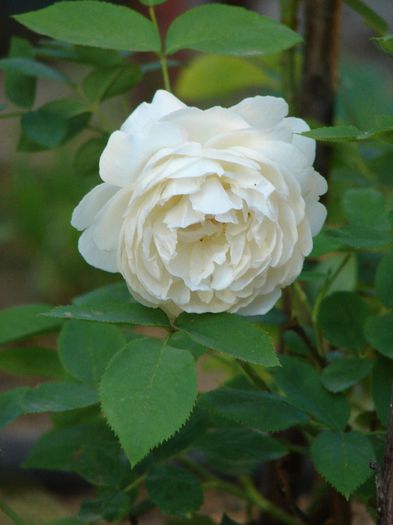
x=107, y=82
x=302, y=386
x=54, y=123
x=334, y=133
x=110, y=506
x=369, y=226
x=184, y=341
x=108, y=294
x=371, y=18
x=31, y=68
x=237, y=450
x=90, y=449
x=385, y=43
x=231, y=334
x=87, y=157
x=360, y=237
x=365, y=207
x=97, y=24
x=147, y=393
x=342, y=316
x=152, y=2
x=19, y=322
x=194, y=427
x=34, y=361
x=57, y=397
x=381, y=386
x=260, y=410
x=228, y=30
x=342, y=373
x=210, y=76
x=379, y=333
x=20, y=88
x=384, y=279
x=349, y=134
x=323, y=244
x=86, y=349
x=45, y=128
x=175, y=491
x=133, y=313
x=343, y=459
x=10, y=405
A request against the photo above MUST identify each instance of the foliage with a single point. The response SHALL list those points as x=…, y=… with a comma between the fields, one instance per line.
x=310, y=381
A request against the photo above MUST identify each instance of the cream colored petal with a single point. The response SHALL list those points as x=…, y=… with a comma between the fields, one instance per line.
x=102, y=259
x=84, y=214
x=262, y=112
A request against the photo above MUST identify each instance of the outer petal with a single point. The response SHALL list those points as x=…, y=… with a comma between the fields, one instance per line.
x=102, y=259
x=262, y=112
x=261, y=304
x=305, y=144
x=202, y=125
x=91, y=204
x=316, y=214
x=125, y=155
x=145, y=114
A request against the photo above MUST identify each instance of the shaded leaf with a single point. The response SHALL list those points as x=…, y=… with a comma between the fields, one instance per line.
x=342, y=316
x=302, y=386
x=344, y=372
x=20, y=88
x=19, y=322
x=10, y=404
x=56, y=397
x=86, y=348
x=381, y=387
x=88, y=155
x=29, y=67
x=384, y=279
x=379, y=333
x=108, y=294
x=175, y=491
x=260, y=410
x=34, y=361
x=231, y=334
x=107, y=82
x=239, y=450
x=343, y=459
x=90, y=449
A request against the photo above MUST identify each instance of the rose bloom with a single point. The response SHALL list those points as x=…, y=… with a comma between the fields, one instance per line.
x=204, y=210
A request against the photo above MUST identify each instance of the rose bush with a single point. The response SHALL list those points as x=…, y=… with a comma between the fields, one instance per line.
x=205, y=210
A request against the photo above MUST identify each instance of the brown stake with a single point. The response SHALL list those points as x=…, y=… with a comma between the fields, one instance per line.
x=320, y=69
x=384, y=477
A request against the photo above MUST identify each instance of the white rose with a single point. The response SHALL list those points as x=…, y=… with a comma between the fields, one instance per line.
x=204, y=210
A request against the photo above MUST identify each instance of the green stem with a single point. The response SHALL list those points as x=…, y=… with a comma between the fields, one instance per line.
x=288, y=73
x=255, y=378
x=162, y=55
x=322, y=294
x=11, y=514
x=251, y=495
x=266, y=506
x=134, y=484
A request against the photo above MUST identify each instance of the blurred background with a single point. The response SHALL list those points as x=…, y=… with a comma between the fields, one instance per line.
x=39, y=189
